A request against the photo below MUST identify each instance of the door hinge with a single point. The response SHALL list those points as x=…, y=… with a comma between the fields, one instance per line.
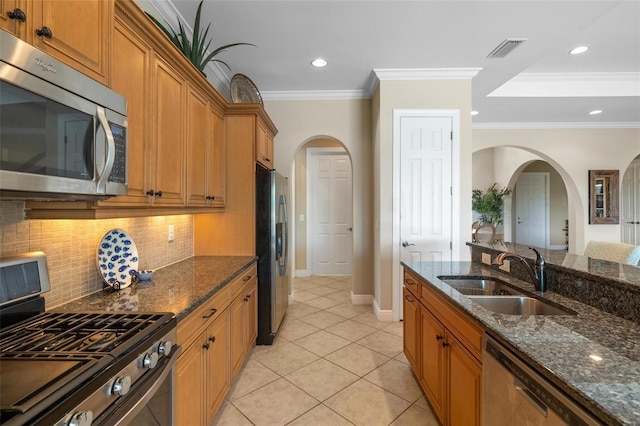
x=450, y=245
x=451, y=190
x=451, y=135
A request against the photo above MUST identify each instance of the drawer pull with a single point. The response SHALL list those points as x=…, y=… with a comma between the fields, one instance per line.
x=408, y=299
x=445, y=344
x=438, y=337
x=247, y=278
x=409, y=282
x=212, y=339
x=205, y=346
x=210, y=314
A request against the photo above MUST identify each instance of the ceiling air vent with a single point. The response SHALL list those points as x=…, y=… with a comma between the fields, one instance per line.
x=505, y=47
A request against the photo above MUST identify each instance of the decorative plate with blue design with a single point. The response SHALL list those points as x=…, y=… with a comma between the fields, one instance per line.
x=117, y=259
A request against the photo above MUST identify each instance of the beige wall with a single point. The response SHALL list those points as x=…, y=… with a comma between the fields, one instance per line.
x=572, y=152
x=300, y=197
x=348, y=122
x=71, y=246
x=428, y=94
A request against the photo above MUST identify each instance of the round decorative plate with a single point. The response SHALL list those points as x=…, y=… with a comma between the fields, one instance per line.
x=117, y=259
x=243, y=90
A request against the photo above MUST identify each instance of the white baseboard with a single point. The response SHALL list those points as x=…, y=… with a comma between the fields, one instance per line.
x=302, y=273
x=290, y=299
x=382, y=315
x=361, y=299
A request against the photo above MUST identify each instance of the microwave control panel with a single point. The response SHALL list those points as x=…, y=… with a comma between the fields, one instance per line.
x=119, y=171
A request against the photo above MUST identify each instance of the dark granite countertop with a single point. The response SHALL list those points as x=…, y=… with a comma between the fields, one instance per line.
x=561, y=347
x=178, y=288
x=580, y=265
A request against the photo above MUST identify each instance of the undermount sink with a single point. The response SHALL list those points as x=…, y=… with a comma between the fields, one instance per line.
x=479, y=286
x=519, y=305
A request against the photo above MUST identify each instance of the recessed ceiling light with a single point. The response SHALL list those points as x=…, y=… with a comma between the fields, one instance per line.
x=578, y=50
x=595, y=357
x=319, y=63
x=474, y=113
x=596, y=112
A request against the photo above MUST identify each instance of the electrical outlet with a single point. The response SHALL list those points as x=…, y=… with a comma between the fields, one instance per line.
x=486, y=258
x=171, y=235
x=506, y=266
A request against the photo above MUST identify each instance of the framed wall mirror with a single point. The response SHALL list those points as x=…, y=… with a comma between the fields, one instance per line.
x=603, y=196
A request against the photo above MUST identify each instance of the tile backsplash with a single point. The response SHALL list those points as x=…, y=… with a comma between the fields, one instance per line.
x=71, y=246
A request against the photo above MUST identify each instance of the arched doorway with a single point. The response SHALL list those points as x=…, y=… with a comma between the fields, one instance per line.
x=322, y=208
x=630, y=204
x=505, y=165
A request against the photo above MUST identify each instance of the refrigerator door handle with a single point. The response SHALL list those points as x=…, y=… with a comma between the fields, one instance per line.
x=285, y=255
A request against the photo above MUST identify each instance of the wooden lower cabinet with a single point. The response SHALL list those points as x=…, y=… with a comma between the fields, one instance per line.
x=411, y=309
x=433, y=363
x=244, y=324
x=215, y=338
x=202, y=375
x=465, y=384
x=448, y=357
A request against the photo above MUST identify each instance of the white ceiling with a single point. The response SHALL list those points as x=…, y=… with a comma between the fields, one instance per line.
x=537, y=84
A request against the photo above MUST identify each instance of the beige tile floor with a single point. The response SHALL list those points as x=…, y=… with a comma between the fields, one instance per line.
x=332, y=363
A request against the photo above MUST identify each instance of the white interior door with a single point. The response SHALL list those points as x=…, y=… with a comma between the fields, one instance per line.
x=330, y=205
x=425, y=188
x=532, y=209
x=630, y=202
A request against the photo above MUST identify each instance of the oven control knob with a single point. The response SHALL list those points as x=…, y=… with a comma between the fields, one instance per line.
x=164, y=348
x=121, y=386
x=150, y=360
x=81, y=418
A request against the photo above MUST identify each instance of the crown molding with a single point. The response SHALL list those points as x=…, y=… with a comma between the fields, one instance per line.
x=314, y=95
x=426, y=73
x=550, y=125
x=570, y=85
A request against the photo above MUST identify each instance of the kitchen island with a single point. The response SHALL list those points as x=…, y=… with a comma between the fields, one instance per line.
x=593, y=356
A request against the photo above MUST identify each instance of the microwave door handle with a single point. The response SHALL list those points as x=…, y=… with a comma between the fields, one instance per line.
x=103, y=175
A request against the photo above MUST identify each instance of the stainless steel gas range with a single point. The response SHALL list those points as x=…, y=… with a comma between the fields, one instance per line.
x=84, y=368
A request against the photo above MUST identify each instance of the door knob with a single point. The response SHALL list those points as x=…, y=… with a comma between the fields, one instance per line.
x=407, y=244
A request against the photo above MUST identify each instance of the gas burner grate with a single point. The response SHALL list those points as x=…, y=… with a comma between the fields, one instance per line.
x=78, y=332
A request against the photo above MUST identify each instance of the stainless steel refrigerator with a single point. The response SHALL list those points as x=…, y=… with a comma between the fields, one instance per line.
x=272, y=250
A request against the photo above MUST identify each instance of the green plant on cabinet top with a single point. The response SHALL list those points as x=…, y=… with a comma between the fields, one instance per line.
x=196, y=49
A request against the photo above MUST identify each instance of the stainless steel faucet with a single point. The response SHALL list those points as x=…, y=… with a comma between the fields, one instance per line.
x=537, y=275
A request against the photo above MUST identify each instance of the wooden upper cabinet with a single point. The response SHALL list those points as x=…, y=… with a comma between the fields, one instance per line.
x=168, y=155
x=197, y=141
x=11, y=14
x=264, y=146
x=130, y=77
x=217, y=159
x=76, y=32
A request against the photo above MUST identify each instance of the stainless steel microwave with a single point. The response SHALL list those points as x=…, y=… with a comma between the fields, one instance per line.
x=62, y=134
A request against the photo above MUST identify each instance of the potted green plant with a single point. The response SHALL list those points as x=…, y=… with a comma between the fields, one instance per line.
x=489, y=204
x=196, y=49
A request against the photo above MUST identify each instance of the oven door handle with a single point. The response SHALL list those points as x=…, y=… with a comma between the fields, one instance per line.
x=124, y=418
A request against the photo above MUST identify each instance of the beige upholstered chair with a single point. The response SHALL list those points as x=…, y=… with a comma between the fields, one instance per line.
x=613, y=252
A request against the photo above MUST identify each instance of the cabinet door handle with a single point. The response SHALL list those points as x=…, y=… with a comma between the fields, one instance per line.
x=245, y=298
x=439, y=337
x=44, y=32
x=409, y=282
x=408, y=299
x=205, y=346
x=247, y=278
x=150, y=192
x=212, y=339
x=445, y=344
x=158, y=194
x=17, y=14
x=210, y=314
